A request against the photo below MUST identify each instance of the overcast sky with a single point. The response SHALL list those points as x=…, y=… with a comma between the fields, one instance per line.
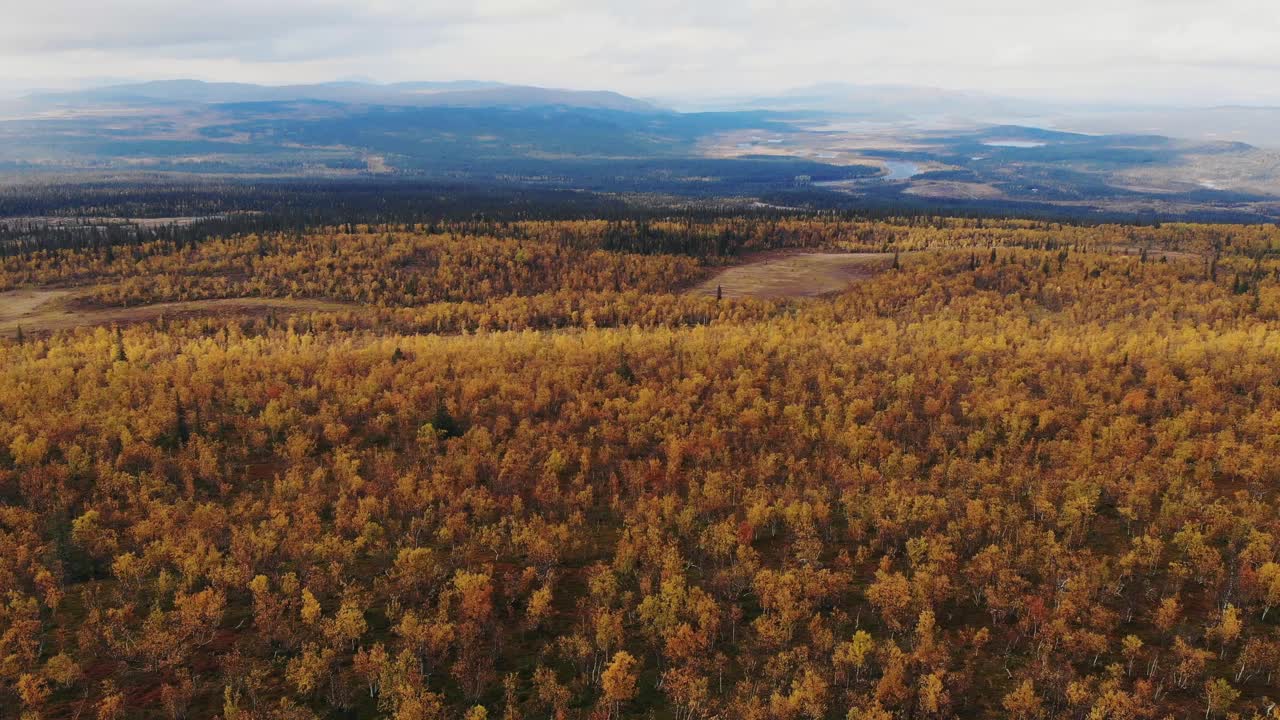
x=1191, y=51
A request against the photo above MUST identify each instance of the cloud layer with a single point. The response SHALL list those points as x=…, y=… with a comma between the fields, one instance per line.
x=1142, y=50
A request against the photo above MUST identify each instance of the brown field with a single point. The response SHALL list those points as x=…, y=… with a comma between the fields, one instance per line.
x=50, y=310
x=1159, y=254
x=953, y=189
x=794, y=274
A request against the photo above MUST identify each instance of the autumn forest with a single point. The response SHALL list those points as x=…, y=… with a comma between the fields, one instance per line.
x=527, y=469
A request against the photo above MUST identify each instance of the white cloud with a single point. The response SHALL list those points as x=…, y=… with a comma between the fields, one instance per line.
x=1182, y=50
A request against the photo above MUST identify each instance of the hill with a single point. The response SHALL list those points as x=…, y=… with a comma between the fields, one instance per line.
x=532, y=469
x=823, y=146
x=411, y=94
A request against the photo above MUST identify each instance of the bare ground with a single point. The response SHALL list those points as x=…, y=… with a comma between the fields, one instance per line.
x=794, y=274
x=954, y=189
x=50, y=310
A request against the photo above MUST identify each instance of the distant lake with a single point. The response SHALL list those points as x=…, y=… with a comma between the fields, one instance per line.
x=901, y=170
x=1014, y=143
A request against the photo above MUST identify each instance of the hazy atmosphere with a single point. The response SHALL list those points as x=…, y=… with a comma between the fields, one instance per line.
x=1157, y=51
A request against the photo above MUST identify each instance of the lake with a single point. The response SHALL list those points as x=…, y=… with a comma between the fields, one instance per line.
x=901, y=169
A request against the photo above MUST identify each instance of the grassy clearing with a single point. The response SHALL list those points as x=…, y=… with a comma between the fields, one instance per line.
x=792, y=274
x=39, y=310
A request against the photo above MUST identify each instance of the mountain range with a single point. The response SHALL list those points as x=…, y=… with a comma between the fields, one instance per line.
x=832, y=144
x=407, y=94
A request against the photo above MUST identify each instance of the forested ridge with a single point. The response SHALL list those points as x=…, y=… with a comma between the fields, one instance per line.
x=1027, y=471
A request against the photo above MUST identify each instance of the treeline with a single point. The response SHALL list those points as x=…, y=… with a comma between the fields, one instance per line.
x=92, y=215
x=80, y=214
x=321, y=201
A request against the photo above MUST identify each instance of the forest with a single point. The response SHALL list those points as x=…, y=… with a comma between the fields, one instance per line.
x=1027, y=470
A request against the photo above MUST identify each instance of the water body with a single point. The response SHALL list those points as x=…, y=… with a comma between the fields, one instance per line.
x=1014, y=143
x=901, y=169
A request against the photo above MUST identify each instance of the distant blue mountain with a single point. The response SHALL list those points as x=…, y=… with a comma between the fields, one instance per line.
x=409, y=94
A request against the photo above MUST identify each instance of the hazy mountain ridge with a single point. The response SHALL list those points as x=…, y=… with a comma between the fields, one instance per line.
x=840, y=143
x=409, y=94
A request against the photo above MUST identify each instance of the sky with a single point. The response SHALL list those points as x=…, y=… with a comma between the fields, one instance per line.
x=1141, y=51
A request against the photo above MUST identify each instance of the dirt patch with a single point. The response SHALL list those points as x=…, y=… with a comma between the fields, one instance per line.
x=780, y=275
x=954, y=189
x=53, y=310
x=28, y=308
x=1157, y=253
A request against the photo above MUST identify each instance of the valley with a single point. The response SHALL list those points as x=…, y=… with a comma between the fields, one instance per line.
x=606, y=143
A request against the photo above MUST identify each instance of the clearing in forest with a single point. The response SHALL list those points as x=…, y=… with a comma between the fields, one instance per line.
x=37, y=310
x=794, y=274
